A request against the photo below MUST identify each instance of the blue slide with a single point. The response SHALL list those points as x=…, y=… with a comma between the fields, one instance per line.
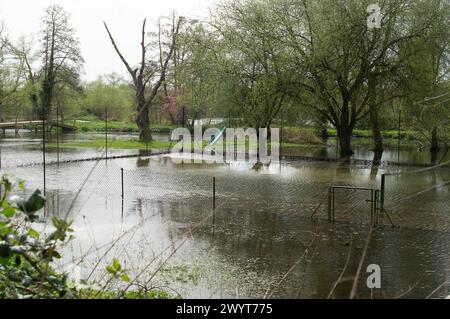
x=216, y=138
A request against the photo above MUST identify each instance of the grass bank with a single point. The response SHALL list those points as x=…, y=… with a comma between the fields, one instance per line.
x=91, y=124
x=135, y=144
x=116, y=144
x=291, y=135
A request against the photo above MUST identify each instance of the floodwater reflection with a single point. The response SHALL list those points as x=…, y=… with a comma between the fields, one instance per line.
x=263, y=225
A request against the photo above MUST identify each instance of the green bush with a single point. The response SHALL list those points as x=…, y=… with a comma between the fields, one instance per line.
x=26, y=256
x=296, y=135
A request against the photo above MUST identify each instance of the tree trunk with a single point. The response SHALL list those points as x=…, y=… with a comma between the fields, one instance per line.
x=434, y=157
x=143, y=123
x=377, y=156
x=434, y=140
x=344, y=133
x=322, y=128
x=378, y=147
x=143, y=120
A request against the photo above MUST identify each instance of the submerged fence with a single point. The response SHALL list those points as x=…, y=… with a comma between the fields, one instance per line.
x=404, y=197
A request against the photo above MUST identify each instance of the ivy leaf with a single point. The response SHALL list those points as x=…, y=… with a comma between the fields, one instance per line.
x=5, y=251
x=33, y=204
x=33, y=233
x=110, y=269
x=9, y=212
x=22, y=185
x=125, y=278
x=116, y=264
x=56, y=255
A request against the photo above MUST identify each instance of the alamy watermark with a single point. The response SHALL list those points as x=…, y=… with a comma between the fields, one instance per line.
x=374, y=18
x=374, y=279
x=215, y=146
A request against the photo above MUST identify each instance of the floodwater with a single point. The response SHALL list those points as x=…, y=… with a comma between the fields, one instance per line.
x=268, y=236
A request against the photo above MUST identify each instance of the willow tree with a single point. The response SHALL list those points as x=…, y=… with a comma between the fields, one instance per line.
x=253, y=59
x=150, y=75
x=343, y=66
x=427, y=77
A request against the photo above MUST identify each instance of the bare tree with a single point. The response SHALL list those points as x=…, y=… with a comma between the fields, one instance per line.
x=149, y=76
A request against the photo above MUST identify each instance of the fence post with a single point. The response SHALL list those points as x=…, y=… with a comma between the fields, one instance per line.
x=329, y=203
x=123, y=192
x=281, y=134
x=382, y=191
x=214, y=201
x=399, y=135
x=106, y=132
x=43, y=153
x=57, y=134
x=376, y=208
x=372, y=206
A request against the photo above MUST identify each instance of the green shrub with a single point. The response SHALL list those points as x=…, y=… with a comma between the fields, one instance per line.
x=297, y=135
x=26, y=256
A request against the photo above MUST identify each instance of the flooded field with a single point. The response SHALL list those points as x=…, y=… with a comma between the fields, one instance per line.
x=269, y=235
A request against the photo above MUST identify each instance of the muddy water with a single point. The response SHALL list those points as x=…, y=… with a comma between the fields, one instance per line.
x=260, y=241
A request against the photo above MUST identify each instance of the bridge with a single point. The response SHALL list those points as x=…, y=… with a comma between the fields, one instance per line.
x=33, y=125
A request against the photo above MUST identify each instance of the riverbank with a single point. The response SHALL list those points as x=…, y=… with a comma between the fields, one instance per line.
x=127, y=144
x=135, y=144
x=291, y=134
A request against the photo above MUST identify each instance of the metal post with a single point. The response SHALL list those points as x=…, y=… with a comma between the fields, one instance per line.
x=0, y=157
x=281, y=133
x=332, y=205
x=43, y=151
x=377, y=196
x=329, y=203
x=123, y=193
x=382, y=191
x=372, y=207
x=106, y=132
x=399, y=135
x=57, y=134
x=214, y=201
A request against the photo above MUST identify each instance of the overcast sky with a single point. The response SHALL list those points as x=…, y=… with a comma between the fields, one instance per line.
x=124, y=18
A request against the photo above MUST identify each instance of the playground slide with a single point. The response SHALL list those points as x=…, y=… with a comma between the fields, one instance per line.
x=217, y=137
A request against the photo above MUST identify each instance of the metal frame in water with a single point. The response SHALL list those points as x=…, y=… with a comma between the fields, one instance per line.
x=374, y=201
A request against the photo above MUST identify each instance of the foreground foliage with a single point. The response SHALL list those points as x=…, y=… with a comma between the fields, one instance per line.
x=26, y=255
